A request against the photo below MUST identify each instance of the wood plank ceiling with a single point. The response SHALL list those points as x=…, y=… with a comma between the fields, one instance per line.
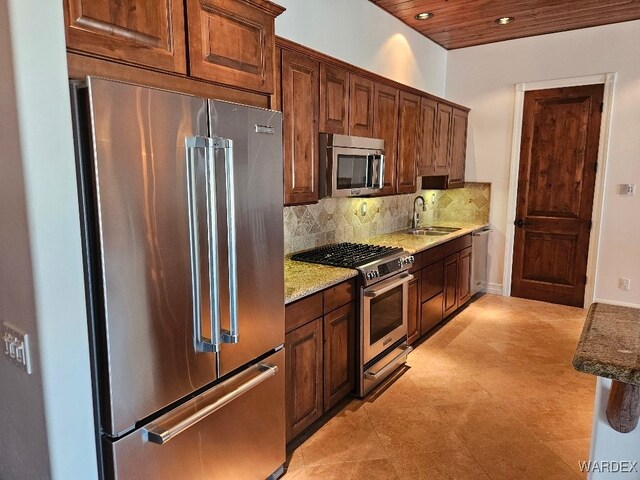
x=465, y=23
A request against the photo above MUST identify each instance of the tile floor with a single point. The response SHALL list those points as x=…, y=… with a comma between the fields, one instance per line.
x=491, y=395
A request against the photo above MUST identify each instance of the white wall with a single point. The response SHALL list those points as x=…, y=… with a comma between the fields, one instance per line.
x=483, y=78
x=364, y=35
x=41, y=280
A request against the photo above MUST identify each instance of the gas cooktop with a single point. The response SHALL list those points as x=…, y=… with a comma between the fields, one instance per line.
x=347, y=255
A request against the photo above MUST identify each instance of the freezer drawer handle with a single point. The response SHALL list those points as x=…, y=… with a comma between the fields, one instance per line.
x=158, y=432
x=202, y=343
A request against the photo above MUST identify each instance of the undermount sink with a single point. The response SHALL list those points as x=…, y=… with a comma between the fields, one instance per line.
x=432, y=231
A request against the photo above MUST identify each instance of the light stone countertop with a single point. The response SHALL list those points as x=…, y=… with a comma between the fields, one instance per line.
x=302, y=279
x=610, y=343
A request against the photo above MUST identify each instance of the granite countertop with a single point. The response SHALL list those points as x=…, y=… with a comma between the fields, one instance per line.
x=610, y=343
x=417, y=243
x=302, y=279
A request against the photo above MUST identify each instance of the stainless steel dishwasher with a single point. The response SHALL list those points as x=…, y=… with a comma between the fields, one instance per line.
x=480, y=244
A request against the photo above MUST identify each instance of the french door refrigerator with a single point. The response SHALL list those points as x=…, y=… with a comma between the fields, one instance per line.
x=181, y=205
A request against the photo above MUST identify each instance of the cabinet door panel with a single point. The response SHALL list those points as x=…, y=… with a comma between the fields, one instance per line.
x=458, y=148
x=408, y=142
x=432, y=280
x=300, y=112
x=339, y=354
x=450, y=301
x=464, y=276
x=385, y=126
x=334, y=100
x=442, y=145
x=431, y=314
x=360, y=107
x=428, y=112
x=413, y=320
x=232, y=42
x=303, y=386
x=135, y=31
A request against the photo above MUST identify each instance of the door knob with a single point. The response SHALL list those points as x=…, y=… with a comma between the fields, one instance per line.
x=520, y=223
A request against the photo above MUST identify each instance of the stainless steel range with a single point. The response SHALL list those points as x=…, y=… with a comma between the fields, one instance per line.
x=383, y=302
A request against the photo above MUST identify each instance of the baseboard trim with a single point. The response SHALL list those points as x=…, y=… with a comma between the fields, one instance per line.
x=617, y=303
x=494, y=288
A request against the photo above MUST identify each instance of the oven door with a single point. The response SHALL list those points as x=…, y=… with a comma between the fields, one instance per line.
x=384, y=314
x=356, y=171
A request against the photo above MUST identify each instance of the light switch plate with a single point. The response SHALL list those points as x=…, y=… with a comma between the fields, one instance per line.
x=16, y=347
x=627, y=189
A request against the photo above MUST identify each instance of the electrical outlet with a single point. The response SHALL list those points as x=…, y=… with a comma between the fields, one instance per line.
x=624, y=284
x=627, y=189
x=16, y=347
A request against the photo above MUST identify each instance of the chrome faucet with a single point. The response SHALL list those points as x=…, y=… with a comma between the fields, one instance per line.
x=416, y=215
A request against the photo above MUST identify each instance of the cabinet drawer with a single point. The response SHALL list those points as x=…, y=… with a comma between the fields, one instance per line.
x=432, y=280
x=431, y=314
x=303, y=311
x=338, y=295
x=464, y=242
x=417, y=261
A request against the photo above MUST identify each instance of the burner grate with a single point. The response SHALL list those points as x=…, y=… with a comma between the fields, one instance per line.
x=347, y=255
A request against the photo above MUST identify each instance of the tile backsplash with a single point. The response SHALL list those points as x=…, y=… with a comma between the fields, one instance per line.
x=341, y=219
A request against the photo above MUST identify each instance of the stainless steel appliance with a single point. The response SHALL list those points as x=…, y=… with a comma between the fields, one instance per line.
x=350, y=166
x=383, y=301
x=479, y=255
x=182, y=224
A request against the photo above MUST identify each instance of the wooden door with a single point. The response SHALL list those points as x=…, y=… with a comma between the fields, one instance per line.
x=334, y=100
x=408, y=143
x=233, y=42
x=303, y=388
x=450, y=287
x=300, y=91
x=339, y=354
x=361, y=93
x=413, y=320
x=442, y=144
x=458, y=149
x=464, y=275
x=135, y=31
x=385, y=126
x=558, y=155
x=428, y=112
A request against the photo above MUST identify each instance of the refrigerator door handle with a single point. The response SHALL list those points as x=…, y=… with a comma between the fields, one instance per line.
x=231, y=335
x=202, y=343
x=175, y=422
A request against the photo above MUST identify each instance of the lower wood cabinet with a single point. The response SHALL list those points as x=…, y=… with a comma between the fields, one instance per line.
x=413, y=319
x=464, y=276
x=431, y=313
x=303, y=388
x=339, y=354
x=450, y=286
x=320, y=354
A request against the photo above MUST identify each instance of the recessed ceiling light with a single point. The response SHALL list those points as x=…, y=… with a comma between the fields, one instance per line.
x=504, y=20
x=423, y=16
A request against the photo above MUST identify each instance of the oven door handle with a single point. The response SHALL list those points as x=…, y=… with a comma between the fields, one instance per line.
x=388, y=285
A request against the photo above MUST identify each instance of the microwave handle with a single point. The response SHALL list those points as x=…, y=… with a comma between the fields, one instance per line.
x=381, y=170
x=376, y=170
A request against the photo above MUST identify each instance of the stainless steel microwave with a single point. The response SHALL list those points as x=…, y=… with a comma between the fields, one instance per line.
x=350, y=166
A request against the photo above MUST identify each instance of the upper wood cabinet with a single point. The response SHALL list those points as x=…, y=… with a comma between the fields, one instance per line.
x=300, y=93
x=442, y=142
x=135, y=31
x=361, y=103
x=233, y=42
x=458, y=148
x=334, y=100
x=385, y=126
x=408, y=143
x=428, y=113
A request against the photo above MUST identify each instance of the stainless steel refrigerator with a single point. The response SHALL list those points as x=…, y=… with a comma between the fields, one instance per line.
x=181, y=206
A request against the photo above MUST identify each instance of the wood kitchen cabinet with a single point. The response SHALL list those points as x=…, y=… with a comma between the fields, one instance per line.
x=300, y=96
x=464, y=276
x=428, y=113
x=361, y=106
x=408, y=143
x=339, y=354
x=334, y=100
x=458, y=150
x=442, y=142
x=134, y=31
x=320, y=344
x=385, y=126
x=413, y=318
x=450, y=285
